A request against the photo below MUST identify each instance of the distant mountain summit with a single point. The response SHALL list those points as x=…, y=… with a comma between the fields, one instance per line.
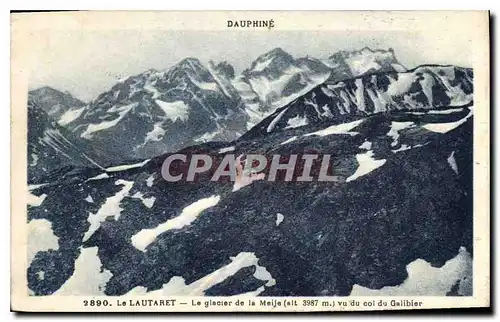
x=348, y=64
x=55, y=103
x=159, y=111
x=275, y=79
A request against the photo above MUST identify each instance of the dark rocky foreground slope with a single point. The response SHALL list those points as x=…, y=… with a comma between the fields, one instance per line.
x=407, y=196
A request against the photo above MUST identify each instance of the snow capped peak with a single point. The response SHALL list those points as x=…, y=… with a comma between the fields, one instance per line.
x=348, y=64
x=54, y=102
x=189, y=63
x=276, y=58
x=278, y=51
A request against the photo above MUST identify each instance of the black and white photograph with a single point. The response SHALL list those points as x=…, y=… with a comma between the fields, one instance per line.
x=251, y=163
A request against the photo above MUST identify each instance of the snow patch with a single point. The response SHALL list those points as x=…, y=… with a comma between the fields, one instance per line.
x=92, y=128
x=279, y=219
x=206, y=86
x=89, y=199
x=425, y=280
x=365, y=60
x=453, y=162
x=89, y=278
x=395, y=128
x=366, y=165
x=142, y=239
x=297, y=121
x=70, y=116
x=35, y=201
x=150, y=180
x=36, y=186
x=156, y=134
x=177, y=110
x=148, y=202
x=367, y=145
x=34, y=161
x=262, y=64
x=40, y=238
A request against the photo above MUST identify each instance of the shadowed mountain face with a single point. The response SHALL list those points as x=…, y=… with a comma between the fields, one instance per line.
x=406, y=198
x=51, y=147
x=155, y=112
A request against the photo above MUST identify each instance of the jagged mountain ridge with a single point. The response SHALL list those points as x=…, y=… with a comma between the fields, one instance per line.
x=159, y=111
x=53, y=102
x=276, y=78
x=423, y=88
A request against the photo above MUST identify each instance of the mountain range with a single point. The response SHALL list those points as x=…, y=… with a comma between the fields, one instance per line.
x=400, y=223
x=160, y=111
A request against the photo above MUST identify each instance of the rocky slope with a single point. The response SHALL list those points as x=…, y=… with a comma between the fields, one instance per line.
x=404, y=207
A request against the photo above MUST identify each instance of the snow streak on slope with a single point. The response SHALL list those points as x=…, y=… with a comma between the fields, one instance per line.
x=142, y=239
x=293, y=138
x=177, y=285
x=70, y=116
x=110, y=208
x=91, y=128
x=446, y=127
x=343, y=128
x=127, y=166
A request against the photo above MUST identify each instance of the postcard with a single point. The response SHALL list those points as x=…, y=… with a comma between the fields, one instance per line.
x=250, y=161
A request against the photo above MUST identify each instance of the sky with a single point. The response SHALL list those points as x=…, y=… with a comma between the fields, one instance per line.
x=87, y=63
